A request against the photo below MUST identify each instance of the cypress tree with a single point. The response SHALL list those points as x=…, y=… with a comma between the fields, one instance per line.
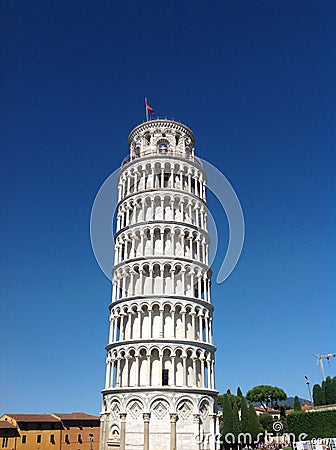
x=297, y=404
x=324, y=397
x=235, y=422
x=244, y=415
x=239, y=392
x=254, y=427
x=317, y=395
x=227, y=418
x=333, y=390
x=329, y=391
x=282, y=411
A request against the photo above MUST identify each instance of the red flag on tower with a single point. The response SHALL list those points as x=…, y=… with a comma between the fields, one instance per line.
x=148, y=108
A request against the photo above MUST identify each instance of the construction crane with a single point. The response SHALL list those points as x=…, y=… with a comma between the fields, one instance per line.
x=320, y=358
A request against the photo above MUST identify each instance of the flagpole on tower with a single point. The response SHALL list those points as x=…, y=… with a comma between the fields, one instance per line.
x=146, y=109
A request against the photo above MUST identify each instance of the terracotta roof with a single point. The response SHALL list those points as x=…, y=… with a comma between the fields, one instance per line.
x=6, y=424
x=75, y=416
x=269, y=410
x=324, y=406
x=313, y=408
x=32, y=417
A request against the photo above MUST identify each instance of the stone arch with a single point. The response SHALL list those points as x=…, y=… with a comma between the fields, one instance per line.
x=155, y=375
x=190, y=367
x=114, y=433
x=179, y=366
x=114, y=408
x=167, y=366
x=143, y=366
x=135, y=407
x=156, y=322
x=168, y=320
x=160, y=408
x=185, y=408
x=204, y=411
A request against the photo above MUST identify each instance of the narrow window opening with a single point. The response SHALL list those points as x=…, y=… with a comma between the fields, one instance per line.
x=166, y=179
x=114, y=375
x=163, y=148
x=206, y=375
x=24, y=439
x=118, y=330
x=204, y=333
x=38, y=439
x=165, y=377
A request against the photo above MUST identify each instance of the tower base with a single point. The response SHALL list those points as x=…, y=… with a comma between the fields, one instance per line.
x=159, y=420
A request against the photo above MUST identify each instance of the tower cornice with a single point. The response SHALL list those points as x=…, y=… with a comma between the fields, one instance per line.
x=139, y=299
x=157, y=123
x=163, y=259
x=162, y=343
x=155, y=157
x=161, y=390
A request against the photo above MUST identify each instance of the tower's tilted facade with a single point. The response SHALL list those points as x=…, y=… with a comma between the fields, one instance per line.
x=160, y=390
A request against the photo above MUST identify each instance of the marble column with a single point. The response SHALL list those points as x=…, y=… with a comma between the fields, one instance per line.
x=197, y=434
x=173, y=419
x=212, y=440
x=146, y=418
x=123, y=431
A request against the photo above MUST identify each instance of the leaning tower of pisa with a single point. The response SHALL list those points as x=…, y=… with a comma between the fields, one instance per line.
x=160, y=390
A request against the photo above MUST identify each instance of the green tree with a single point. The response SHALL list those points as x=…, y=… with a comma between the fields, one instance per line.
x=239, y=392
x=282, y=411
x=317, y=395
x=266, y=421
x=297, y=404
x=330, y=391
x=324, y=397
x=254, y=427
x=318, y=423
x=266, y=395
x=235, y=422
x=244, y=415
x=227, y=417
x=234, y=399
x=333, y=388
x=220, y=399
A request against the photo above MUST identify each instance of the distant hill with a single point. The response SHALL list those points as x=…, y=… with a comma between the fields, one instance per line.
x=290, y=401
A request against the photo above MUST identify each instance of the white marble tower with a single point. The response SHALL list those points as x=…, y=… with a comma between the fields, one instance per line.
x=160, y=391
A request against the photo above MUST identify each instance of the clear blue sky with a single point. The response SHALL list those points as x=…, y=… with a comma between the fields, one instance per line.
x=255, y=80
